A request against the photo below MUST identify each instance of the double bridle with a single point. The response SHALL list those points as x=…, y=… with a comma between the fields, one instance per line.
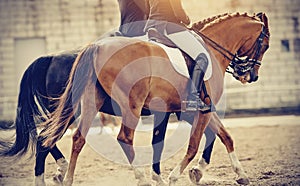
x=240, y=65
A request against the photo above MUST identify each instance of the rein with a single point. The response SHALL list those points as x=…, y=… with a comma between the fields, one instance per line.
x=239, y=65
x=242, y=66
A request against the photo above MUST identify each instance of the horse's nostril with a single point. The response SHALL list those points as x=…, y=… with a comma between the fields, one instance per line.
x=255, y=78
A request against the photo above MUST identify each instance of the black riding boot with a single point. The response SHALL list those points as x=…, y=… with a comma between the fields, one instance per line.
x=194, y=102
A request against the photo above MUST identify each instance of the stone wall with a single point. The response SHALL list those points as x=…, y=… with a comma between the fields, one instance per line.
x=62, y=24
x=68, y=24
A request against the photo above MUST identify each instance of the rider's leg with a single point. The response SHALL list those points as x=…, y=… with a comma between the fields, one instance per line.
x=187, y=42
x=194, y=101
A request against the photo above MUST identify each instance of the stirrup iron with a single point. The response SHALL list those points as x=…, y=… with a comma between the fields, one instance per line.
x=195, y=105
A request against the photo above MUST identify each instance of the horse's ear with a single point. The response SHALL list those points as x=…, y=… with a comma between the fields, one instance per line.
x=262, y=16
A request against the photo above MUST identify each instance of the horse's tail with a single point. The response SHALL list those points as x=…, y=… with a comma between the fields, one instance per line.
x=27, y=111
x=81, y=72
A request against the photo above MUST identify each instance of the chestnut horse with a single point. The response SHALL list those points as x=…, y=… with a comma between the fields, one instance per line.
x=138, y=74
x=42, y=83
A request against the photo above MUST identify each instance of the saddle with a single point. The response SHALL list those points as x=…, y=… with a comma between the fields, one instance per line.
x=156, y=36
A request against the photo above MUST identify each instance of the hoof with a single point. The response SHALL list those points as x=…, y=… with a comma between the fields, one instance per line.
x=61, y=170
x=159, y=180
x=39, y=180
x=172, y=181
x=243, y=181
x=68, y=182
x=161, y=183
x=58, y=178
x=144, y=183
x=195, y=175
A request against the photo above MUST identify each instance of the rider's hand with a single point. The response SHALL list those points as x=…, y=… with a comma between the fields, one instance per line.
x=186, y=22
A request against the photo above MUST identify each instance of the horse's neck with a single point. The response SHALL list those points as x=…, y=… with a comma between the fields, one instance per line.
x=230, y=35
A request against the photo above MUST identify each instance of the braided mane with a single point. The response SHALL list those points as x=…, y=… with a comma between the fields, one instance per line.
x=220, y=18
x=202, y=23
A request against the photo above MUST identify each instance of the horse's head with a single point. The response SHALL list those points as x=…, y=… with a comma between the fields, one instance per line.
x=242, y=42
x=247, y=61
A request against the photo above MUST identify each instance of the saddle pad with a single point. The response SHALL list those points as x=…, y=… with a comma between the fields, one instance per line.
x=177, y=60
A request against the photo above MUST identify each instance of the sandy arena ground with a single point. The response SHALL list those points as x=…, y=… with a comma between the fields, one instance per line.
x=268, y=148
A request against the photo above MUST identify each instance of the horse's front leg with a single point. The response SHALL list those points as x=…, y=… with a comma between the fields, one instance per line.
x=228, y=142
x=196, y=172
x=200, y=122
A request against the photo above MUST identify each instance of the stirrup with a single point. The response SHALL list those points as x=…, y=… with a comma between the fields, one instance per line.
x=196, y=105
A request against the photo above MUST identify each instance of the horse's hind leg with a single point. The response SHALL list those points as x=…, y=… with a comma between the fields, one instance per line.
x=228, y=142
x=159, y=132
x=125, y=138
x=62, y=164
x=91, y=103
x=78, y=143
x=41, y=154
x=209, y=144
x=102, y=120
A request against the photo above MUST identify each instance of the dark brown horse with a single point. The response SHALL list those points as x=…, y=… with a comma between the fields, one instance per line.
x=138, y=74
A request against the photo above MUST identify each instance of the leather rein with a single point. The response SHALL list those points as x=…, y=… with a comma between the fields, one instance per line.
x=239, y=65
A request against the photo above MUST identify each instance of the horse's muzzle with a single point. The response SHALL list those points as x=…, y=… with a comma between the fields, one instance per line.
x=253, y=76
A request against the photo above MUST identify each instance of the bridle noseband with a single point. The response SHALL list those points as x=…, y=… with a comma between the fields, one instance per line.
x=240, y=65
